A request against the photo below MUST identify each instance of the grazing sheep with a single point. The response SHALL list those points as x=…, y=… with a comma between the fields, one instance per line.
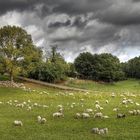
x=60, y=106
x=20, y=105
x=107, y=101
x=115, y=109
x=35, y=104
x=45, y=106
x=121, y=115
x=98, y=115
x=131, y=112
x=58, y=114
x=77, y=116
x=28, y=101
x=97, y=106
x=137, y=104
x=81, y=100
x=85, y=115
x=124, y=102
x=29, y=108
x=41, y=120
x=103, y=131
x=113, y=95
x=60, y=110
x=18, y=123
x=96, y=102
x=89, y=110
x=134, y=112
x=105, y=117
x=95, y=130
x=99, y=131
x=106, y=130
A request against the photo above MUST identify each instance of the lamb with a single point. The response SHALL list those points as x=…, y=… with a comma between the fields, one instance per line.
x=60, y=106
x=137, y=104
x=113, y=95
x=85, y=115
x=58, y=114
x=18, y=123
x=107, y=101
x=99, y=131
x=77, y=116
x=89, y=110
x=121, y=115
x=41, y=120
x=96, y=102
x=105, y=117
x=95, y=130
x=29, y=108
x=115, y=109
x=134, y=112
x=98, y=115
x=61, y=110
x=103, y=131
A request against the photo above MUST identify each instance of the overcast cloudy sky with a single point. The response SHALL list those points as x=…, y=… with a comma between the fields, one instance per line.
x=97, y=26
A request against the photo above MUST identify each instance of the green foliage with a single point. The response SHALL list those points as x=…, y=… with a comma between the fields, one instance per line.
x=16, y=46
x=83, y=65
x=54, y=70
x=105, y=67
x=71, y=70
x=132, y=68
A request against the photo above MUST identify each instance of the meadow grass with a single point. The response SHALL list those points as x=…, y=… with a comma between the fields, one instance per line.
x=68, y=128
x=130, y=85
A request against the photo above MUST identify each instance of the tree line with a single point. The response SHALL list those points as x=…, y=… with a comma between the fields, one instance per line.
x=19, y=56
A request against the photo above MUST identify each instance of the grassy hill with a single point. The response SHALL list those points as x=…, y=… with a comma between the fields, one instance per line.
x=68, y=128
x=131, y=85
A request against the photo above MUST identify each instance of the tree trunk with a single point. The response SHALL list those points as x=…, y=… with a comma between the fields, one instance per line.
x=11, y=78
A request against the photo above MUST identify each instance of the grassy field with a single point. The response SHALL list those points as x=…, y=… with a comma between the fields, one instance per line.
x=131, y=85
x=68, y=128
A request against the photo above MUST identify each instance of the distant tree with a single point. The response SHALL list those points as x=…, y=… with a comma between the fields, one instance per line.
x=71, y=70
x=84, y=65
x=53, y=70
x=105, y=67
x=132, y=68
x=15, y=46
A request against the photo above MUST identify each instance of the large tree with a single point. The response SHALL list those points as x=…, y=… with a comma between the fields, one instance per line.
x=16, y=45
x=105, y=67
x=132, y=68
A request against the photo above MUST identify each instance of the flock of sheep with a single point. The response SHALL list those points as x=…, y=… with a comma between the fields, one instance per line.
x=95, y=113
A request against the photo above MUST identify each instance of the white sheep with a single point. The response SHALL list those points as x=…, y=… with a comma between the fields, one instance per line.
x=115, y=109
x=97, y=102
x=89, y=110
x=100, y=131
x=58, y=114
x=18, y=123
x=95, y=130
x=98, y=115
x=77, y=115
x=107, y=101
x=41, y=120
x=105, y=117
x=29, y=108
x=103, y=131
x=85, y=115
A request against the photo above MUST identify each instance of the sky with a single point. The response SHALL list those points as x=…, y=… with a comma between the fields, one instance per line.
x=76, y=26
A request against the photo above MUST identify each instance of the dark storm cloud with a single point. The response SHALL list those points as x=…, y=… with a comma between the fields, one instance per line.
x=78, y=25
x=59, y=24
x=117, y=12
